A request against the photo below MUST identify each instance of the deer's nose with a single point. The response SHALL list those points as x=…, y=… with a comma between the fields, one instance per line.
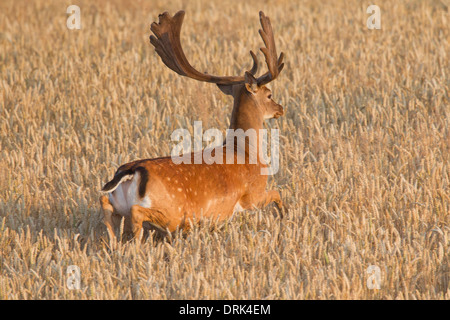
x=279, y=112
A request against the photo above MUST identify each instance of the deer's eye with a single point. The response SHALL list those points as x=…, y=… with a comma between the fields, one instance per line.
x=269, y=96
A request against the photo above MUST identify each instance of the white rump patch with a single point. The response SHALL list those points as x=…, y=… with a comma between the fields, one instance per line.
x=124, y=178
x=126, y=194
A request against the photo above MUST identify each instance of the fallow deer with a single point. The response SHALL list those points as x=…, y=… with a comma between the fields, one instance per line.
x=168, y=195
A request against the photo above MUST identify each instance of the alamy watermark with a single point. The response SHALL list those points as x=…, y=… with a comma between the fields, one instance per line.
x=74, y=20
x=374, y=21
x=73, y=277
x=240, y=147
x=374, y=279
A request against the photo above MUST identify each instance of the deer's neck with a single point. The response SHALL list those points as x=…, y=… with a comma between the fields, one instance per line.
x=247, y=118
x=246, y=114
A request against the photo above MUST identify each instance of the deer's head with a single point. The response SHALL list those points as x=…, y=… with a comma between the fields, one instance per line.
x=261, y=97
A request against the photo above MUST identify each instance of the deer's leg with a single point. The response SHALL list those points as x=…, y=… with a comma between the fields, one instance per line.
x=109, y=217
x=140, y=214
x=260, y=200
x=273, y=196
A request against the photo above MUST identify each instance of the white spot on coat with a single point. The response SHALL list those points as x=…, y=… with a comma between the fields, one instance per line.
x=238, y=208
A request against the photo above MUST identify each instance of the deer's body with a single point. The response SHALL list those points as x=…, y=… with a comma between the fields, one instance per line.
x=176, y=193
x=168, y=195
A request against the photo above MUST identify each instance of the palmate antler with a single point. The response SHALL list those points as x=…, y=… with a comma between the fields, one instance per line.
x=168, y=46
x=270, y=51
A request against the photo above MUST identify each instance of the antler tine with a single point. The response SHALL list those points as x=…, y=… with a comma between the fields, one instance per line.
x=168, y=46
x=254, y=69
x=270, y=52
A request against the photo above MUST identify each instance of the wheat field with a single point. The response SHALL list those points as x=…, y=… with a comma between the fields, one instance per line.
x=365, y=142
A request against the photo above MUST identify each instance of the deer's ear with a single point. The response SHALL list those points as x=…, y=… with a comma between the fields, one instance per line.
x=250, y=82
x=226, y=88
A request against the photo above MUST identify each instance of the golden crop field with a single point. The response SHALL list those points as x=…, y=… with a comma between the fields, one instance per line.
x=364, y=141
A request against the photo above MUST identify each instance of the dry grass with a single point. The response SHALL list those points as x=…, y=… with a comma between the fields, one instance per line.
x=364, y=165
